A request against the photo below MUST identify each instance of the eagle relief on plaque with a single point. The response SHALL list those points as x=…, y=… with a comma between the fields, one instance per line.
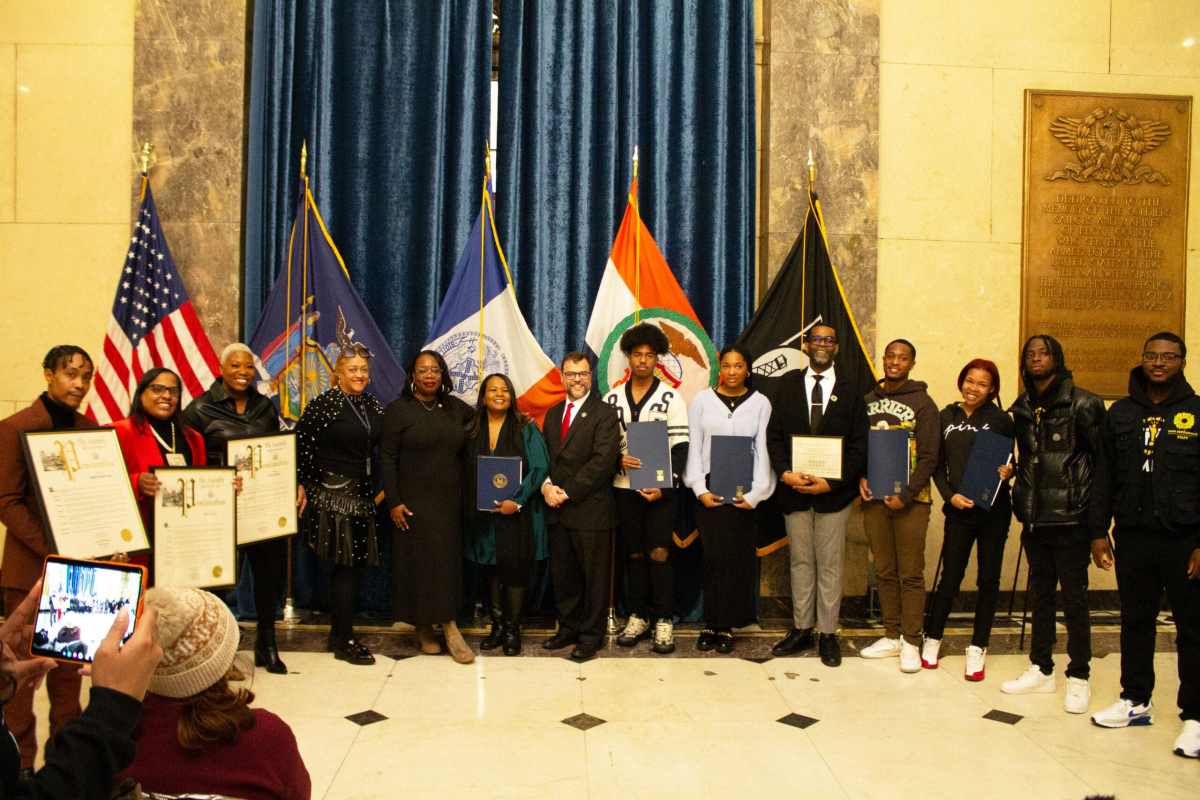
x=1104, y=245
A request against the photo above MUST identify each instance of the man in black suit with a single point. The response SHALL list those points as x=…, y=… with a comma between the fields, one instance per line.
x=816, y=401
x=584, y=442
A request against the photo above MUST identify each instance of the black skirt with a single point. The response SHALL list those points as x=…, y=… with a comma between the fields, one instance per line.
x=730, y=565
x=339, y=522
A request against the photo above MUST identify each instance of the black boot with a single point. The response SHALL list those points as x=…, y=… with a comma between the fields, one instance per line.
x=266, y=653
x=512, y=639
x=495, y=636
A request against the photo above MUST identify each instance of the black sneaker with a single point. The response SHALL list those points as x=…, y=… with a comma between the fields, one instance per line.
x=707, y=640
x=724, y=642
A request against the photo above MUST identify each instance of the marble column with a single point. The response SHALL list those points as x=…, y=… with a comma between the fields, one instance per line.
x=189, y=79
x=824, y=95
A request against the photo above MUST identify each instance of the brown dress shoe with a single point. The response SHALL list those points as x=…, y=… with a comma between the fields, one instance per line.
x=455, y=643
x=428, y=643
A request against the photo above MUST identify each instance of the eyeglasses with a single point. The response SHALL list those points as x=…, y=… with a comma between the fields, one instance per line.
x=823, y=341
x=578, y=376
x=1166, y=358
x=428, y=371
x=158, y=390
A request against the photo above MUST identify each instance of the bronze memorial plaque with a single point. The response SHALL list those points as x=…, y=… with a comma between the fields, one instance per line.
x=1104, y=253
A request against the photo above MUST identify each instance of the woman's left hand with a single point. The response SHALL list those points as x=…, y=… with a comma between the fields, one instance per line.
x=650, y=495
x=507, y=508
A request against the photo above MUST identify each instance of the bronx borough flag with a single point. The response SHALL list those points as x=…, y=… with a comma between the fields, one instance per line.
x=480, y=329
x=312, y=313
x=152, y=324
x=638, y=286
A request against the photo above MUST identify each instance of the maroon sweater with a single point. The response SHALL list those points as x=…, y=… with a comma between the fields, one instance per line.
x=263, y=764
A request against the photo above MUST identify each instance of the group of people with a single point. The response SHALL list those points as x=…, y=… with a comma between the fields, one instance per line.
x=1077, y=466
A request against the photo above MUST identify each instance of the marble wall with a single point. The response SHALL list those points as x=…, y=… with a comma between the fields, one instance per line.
x=189, y=79
x=823, y=72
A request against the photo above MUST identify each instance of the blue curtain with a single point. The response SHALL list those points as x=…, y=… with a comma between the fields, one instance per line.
x=581, y=83
x=393, y=99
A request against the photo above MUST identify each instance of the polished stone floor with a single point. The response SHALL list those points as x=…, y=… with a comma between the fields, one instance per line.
x=745, y=725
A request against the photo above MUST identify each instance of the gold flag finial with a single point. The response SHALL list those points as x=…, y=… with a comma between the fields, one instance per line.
x=303, y=156
x=146, y=156
x=635, y=160
x=812, y=170
x=487, y=158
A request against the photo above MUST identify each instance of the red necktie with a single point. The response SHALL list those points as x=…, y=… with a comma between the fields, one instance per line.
x=566, y=425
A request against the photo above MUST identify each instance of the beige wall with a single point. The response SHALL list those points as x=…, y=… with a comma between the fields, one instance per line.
x=66, y=97
x=953, y=76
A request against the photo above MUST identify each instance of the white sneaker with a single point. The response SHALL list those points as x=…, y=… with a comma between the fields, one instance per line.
x=929, y=653
x=635, y=630
x=1188, y=743
x=974, y=669
x=910, y=657
x=664, y=637
x=883, y=647
x=1078, y=696
x=1124, y=713
x=1032, y=681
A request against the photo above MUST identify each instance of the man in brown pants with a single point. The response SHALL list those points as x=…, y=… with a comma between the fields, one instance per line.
x=896, y=524
x=68, y=372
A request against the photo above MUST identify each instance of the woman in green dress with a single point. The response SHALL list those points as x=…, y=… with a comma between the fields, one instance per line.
x=508, y=539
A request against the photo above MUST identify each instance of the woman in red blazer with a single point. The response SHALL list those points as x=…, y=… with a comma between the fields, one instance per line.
x=153, y=435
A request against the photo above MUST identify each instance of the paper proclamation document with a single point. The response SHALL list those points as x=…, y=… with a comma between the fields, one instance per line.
x=195, y=527
x=83, y=490
x=266, y=508
x=818, y=455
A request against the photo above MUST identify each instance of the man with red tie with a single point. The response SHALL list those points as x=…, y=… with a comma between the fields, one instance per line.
x=584, y=443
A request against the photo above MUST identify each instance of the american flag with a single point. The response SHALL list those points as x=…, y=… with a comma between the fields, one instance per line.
x=152, y=325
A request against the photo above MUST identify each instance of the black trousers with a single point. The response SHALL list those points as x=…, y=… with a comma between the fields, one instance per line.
x=1059, y=555
x=580, y=565
x=987, y=531
x=1150, y=562
x=268, y=563
x=642, y=528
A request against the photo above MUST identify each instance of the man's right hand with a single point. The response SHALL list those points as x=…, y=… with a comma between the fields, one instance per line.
x=1102, y=554
x=710, y=500
x=961, y=502
x=795, y=479
x=128, y=669
x=149, y=484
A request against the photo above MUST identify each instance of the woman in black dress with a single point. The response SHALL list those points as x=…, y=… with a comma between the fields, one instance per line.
x=424, y=433
x=336, y=440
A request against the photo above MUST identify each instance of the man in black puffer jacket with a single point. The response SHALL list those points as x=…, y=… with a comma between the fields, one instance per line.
x=1059, y=451
x=1152, y=487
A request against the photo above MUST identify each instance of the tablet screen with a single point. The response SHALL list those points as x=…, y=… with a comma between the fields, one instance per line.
x=80, y=600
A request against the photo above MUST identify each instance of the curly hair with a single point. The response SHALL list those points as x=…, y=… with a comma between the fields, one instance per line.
x=645, y=334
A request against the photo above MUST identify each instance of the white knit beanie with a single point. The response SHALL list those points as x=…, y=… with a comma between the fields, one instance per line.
x=199, y=637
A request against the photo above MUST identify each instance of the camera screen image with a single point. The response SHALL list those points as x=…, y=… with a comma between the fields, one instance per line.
x=78, y=605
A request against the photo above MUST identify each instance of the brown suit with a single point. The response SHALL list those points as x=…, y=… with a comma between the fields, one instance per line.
x=25, y=547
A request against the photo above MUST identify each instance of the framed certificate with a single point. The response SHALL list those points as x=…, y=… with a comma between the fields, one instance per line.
x=818, y=455
x=266, y=508
x=84, y=493
x=195, y=527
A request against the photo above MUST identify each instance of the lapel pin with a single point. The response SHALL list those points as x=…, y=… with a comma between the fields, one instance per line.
x=582, y=413
x=833, y=398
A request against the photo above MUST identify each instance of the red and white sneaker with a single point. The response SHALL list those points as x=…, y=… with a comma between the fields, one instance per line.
x=974, y=669
x=929, y=653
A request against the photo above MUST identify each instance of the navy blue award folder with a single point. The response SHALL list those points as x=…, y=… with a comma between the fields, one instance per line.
x=647, y=441
x=887, y=462
x=981, y=480
x=730, y=466
x=497, y=478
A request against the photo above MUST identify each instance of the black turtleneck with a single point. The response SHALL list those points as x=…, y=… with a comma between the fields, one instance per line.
x=61, y=417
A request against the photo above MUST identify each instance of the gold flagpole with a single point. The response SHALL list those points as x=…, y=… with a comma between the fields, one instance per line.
x=290, y=617
x=812, y=179
x=637, y=244
x=483, y=204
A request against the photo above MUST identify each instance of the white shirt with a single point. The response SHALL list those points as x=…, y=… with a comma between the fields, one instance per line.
x=572, y=407
x=828, y=378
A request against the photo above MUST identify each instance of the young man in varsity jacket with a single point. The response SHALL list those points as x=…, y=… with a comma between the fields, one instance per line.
x=646, y=518
x=1151, y=484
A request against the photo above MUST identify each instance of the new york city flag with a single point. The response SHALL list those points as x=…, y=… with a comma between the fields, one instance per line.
x=480, y=329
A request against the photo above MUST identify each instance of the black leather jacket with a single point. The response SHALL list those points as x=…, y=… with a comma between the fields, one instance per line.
x=215, y=415
x=1058, y=446
x=1168, y=496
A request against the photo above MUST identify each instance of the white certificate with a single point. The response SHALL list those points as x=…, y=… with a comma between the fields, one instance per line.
x=194, y=527
x=266, y=508
x=818, y=455
x=84, y=492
